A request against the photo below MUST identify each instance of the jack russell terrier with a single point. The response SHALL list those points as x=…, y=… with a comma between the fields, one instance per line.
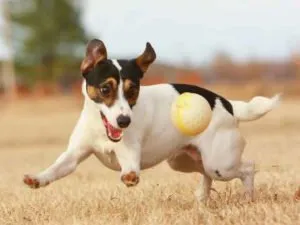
x=129, y=128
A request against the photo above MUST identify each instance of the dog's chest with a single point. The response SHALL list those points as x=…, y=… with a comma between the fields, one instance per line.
x=104, y=151
x=108, y=159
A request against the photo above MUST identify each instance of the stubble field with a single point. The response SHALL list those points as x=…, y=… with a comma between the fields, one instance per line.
x=35, y=132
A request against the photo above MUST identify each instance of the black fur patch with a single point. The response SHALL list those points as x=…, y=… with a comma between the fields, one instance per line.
x=101, y=72
x=106, y=69
x=208, y=95
x=130, y=70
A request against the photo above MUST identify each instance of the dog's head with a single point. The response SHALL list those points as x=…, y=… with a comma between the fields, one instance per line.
x=113, y=85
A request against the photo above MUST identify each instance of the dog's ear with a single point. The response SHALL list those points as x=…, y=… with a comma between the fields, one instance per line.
x=145, y=59
x=95, y=53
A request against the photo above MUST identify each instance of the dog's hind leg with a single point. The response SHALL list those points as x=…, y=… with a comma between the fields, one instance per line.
x=223, y=161
x=203, y=192
x=188, y=160
x=247, y=170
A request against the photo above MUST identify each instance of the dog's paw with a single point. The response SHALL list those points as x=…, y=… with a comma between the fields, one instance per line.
x=130, y=179
x=33, y=182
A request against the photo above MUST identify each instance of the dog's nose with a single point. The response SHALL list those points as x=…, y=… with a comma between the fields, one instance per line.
x=123, y=121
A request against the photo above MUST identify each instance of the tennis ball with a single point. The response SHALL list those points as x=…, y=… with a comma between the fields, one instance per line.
x=191, y=113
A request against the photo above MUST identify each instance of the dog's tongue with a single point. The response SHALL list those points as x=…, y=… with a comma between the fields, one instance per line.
x=114, y=132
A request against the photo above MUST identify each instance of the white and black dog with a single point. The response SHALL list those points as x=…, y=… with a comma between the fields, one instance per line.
x=129, y=128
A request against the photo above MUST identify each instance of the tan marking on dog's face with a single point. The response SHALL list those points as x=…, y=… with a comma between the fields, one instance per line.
x=106, y=92
x=131, y=91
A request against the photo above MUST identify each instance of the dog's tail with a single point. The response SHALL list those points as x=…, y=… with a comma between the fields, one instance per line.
x=255, y=108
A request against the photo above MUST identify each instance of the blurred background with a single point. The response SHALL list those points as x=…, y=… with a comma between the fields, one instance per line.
x=238, y=48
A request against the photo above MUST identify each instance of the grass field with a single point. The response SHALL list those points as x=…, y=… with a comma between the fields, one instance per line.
x=34, y=133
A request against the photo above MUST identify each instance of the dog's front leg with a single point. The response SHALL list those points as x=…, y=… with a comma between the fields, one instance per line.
x=66, y=163
x=129, y=160
x=63, y=166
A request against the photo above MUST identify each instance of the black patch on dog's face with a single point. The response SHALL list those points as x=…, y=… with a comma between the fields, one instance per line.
x=208, y=95
x=106, y=75
x=102, y=82
x=101, y=72
x=130, y=74
x=130, y=70
x=103, y=76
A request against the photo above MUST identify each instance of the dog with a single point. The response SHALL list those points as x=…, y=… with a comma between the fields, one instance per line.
x=128, y=127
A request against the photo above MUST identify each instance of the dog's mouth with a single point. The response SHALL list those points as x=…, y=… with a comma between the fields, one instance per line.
x=114, y=134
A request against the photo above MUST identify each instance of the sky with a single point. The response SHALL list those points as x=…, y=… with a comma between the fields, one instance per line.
x=193, y=31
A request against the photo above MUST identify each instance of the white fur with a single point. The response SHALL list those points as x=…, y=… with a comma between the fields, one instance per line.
x=151, y=138
x=256, y=108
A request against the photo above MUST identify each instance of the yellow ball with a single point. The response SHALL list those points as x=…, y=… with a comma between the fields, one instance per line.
x=191, y=113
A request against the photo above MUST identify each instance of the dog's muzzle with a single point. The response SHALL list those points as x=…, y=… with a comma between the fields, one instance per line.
x=113, y=133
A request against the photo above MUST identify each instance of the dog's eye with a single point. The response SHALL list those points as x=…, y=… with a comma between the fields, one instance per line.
x=132, y=87
x=132, y=91
x=105, y=90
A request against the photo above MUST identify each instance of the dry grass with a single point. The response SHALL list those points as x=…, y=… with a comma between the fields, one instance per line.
x=33, y=134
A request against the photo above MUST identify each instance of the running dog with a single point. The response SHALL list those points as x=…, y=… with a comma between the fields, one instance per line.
x=129, y=128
